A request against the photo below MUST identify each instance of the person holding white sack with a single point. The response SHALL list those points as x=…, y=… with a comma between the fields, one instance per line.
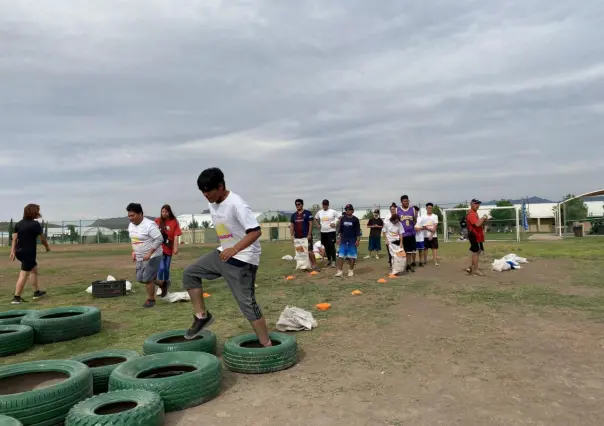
x=393, y=232
x=301, y=224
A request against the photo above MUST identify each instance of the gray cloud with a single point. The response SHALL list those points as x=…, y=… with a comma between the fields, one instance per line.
x=109, y=102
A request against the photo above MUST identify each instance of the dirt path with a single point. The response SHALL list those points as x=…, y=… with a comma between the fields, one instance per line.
x=433, y=364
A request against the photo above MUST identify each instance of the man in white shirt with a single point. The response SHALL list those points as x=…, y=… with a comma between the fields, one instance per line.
x=236, y=260
x=147, y=252
x=429, y=224
x=327, y=220
x=419, y=240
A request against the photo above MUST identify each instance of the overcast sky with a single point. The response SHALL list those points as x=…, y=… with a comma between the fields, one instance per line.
x=105, y=102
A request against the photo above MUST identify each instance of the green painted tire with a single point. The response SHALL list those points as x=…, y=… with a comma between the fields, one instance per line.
x=120, y=408
x=13, y=317
x=174, y=341
x=9, y=421
x=242, y=354
x=182, y=379
x=63, y=324
x=48, y=405
x=102, y=364
x=15, y=339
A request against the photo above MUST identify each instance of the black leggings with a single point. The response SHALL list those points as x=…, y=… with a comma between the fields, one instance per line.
x=328, y=239
x=396, y=243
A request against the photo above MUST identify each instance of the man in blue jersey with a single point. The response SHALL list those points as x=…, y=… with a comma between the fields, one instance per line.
x=301, y=227
x=349, y=236
x=408, y=218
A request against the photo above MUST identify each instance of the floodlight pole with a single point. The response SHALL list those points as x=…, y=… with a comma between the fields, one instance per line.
x=517, y=225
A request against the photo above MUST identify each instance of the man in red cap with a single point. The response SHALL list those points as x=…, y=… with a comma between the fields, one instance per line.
x=476, y=236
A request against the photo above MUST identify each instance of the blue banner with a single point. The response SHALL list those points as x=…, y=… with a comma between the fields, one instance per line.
x=524, y=216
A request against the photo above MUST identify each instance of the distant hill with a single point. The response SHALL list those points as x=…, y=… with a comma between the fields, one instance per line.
x=114, y=222
x=531, y=200
x=5, y=225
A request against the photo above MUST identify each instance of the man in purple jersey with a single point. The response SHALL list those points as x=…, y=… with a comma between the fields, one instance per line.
x=408, y=217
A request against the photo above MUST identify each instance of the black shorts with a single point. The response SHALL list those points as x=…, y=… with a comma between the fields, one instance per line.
x=431, y=244
x=28, y=260
x=409, y=244
x=475, y=246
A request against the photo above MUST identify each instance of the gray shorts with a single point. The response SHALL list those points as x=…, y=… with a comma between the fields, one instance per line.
x=240, y=277
x=146, y=270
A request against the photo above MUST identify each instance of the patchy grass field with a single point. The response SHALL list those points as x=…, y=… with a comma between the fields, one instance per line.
x=437, y=347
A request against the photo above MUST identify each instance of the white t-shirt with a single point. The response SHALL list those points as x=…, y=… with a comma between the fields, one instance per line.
x=392, y=231
x=143, y=236
x=326, y=218
x=232, y=218
x=429, y=220
x=420, y=235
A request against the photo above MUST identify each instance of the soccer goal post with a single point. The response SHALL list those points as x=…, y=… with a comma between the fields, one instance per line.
x=503, y=223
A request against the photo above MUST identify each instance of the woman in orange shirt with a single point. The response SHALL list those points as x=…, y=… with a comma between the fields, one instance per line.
x=170, y=230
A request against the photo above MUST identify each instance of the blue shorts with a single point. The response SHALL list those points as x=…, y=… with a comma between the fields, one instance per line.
x=347, y=250
x=375, y=244
x=419, y=245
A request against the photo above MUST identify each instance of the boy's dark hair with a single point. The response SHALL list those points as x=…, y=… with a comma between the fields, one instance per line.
x=210, y=179
x=299, y=200
x=417, y=208
x=404, y=197
x=135, y=208
x=429, y=205
x=393, y=204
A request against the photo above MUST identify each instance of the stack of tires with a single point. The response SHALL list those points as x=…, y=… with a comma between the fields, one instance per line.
x=119, y=387
x=20, y=329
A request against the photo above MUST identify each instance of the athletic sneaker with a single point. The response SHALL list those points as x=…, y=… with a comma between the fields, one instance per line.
x=38, y=294
x=367, y=257
x=413, y=265
x=478, y=273
x=377, y=257
x=410, y=269
x=198, y=325
x=351, y=273
x=149, y=303
x=338, y=274
x=17, y=300
x=333, y=264
x=164, y=288
x=421, y=265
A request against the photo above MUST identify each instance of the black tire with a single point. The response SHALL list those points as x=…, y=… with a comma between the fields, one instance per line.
x=15, y=339
x=102, y=364
x=253, y=359
x=120, y=408
x=198, y=380
x=174, y=341
x=45, y=406
x=9, y=421
x=63, y=324
x=13, y=317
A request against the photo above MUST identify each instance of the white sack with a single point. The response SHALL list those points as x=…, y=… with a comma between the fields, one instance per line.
x=295, y=319
x=302, y=258
x=399, y=259
x=287, y=257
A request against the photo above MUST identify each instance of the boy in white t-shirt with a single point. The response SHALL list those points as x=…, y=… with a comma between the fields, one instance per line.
x=319, y=250
x=147, y=251
x=429, y=224
x=236, y=260
x=419, y=238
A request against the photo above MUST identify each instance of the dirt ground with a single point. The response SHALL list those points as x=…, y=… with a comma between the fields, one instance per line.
x=434, y=363
x=426, y=360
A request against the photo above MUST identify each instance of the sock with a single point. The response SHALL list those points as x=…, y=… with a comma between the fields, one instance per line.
x=201, y=316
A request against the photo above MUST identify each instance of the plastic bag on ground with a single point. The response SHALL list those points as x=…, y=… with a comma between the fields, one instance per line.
x=179, y=296
x=287, y=257
x=399, y=259
x=295, y=319
x=514, y=258
x=302, y=258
